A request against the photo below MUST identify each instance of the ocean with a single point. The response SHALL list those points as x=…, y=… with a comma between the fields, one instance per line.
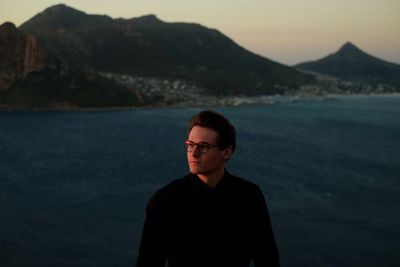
x=74, y=185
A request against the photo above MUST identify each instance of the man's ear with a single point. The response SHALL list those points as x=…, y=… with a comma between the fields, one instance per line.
x=227, y=153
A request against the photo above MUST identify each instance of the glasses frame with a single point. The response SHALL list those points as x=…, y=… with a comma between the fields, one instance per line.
x=202, y=147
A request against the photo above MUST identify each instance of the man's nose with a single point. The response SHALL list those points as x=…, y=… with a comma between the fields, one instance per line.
x=196, y=151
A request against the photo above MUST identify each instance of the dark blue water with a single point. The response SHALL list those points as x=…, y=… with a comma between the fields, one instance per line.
x=74, y=185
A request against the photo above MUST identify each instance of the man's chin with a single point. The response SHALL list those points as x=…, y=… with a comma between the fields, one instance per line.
x=195, y=170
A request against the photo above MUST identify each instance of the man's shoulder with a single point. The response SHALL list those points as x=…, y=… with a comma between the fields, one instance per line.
x=168, y=195
x=176, y=184
x=172, y=188
x=242, y=183
x=247, y=191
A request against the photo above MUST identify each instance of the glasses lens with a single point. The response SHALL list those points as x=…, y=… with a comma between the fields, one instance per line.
x=203, y=148
x=189, y=147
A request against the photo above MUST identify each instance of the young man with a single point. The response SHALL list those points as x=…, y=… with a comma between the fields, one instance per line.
x=209, y=217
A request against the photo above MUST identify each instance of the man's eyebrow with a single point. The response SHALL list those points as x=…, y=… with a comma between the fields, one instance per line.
x=200, y=143
x=204, y=143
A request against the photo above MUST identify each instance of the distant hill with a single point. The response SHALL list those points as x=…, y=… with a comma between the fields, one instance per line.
x=149, y=47
x=31, y=77
x=353, y=64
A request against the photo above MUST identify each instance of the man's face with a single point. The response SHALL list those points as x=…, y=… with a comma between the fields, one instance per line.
x=206, y=163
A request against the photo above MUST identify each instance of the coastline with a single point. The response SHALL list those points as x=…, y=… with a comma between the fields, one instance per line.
x=206, y=101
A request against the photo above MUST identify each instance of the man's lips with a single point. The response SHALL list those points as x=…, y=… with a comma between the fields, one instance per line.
x=195, y=162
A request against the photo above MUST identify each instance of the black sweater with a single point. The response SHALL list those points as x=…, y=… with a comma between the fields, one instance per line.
x=188, y=224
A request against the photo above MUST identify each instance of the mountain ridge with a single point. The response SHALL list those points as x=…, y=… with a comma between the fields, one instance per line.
x=147, y=46
x=352, y=63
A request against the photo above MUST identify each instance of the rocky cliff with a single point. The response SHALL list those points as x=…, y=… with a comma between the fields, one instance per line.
x=33, y=77
x=20, y=54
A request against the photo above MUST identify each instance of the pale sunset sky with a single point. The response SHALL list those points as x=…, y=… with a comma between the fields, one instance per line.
x=286, y=31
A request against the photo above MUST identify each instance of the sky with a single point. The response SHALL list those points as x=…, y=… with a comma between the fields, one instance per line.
x=286, y=31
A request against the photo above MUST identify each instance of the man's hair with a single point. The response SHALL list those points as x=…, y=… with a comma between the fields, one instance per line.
x=217, y=122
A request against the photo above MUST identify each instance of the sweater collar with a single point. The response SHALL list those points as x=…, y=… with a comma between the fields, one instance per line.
x=197, y=182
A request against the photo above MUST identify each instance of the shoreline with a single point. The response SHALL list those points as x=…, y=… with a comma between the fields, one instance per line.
x=207, y=101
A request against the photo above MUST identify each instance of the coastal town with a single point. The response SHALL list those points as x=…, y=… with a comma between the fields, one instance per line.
x=178, y=92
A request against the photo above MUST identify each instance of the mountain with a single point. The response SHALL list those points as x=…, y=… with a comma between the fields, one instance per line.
x=149, y=47
x=30, y=76
x=20, y=54
x=353, y=64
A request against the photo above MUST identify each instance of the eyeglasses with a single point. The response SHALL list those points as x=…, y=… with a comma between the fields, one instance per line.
x=202, y=147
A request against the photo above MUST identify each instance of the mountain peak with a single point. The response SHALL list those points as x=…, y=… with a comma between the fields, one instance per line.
x=61, y=8
x=8, y=25
x=349, y=48
x=8, y=30
x=352, y=63
x=62, y=16
x=147, y=19
x=352, y=54
x=347, y=54
x=150, y=17
x=348, y=45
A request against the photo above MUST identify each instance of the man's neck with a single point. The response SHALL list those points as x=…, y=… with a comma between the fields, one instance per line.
x=212, y=179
